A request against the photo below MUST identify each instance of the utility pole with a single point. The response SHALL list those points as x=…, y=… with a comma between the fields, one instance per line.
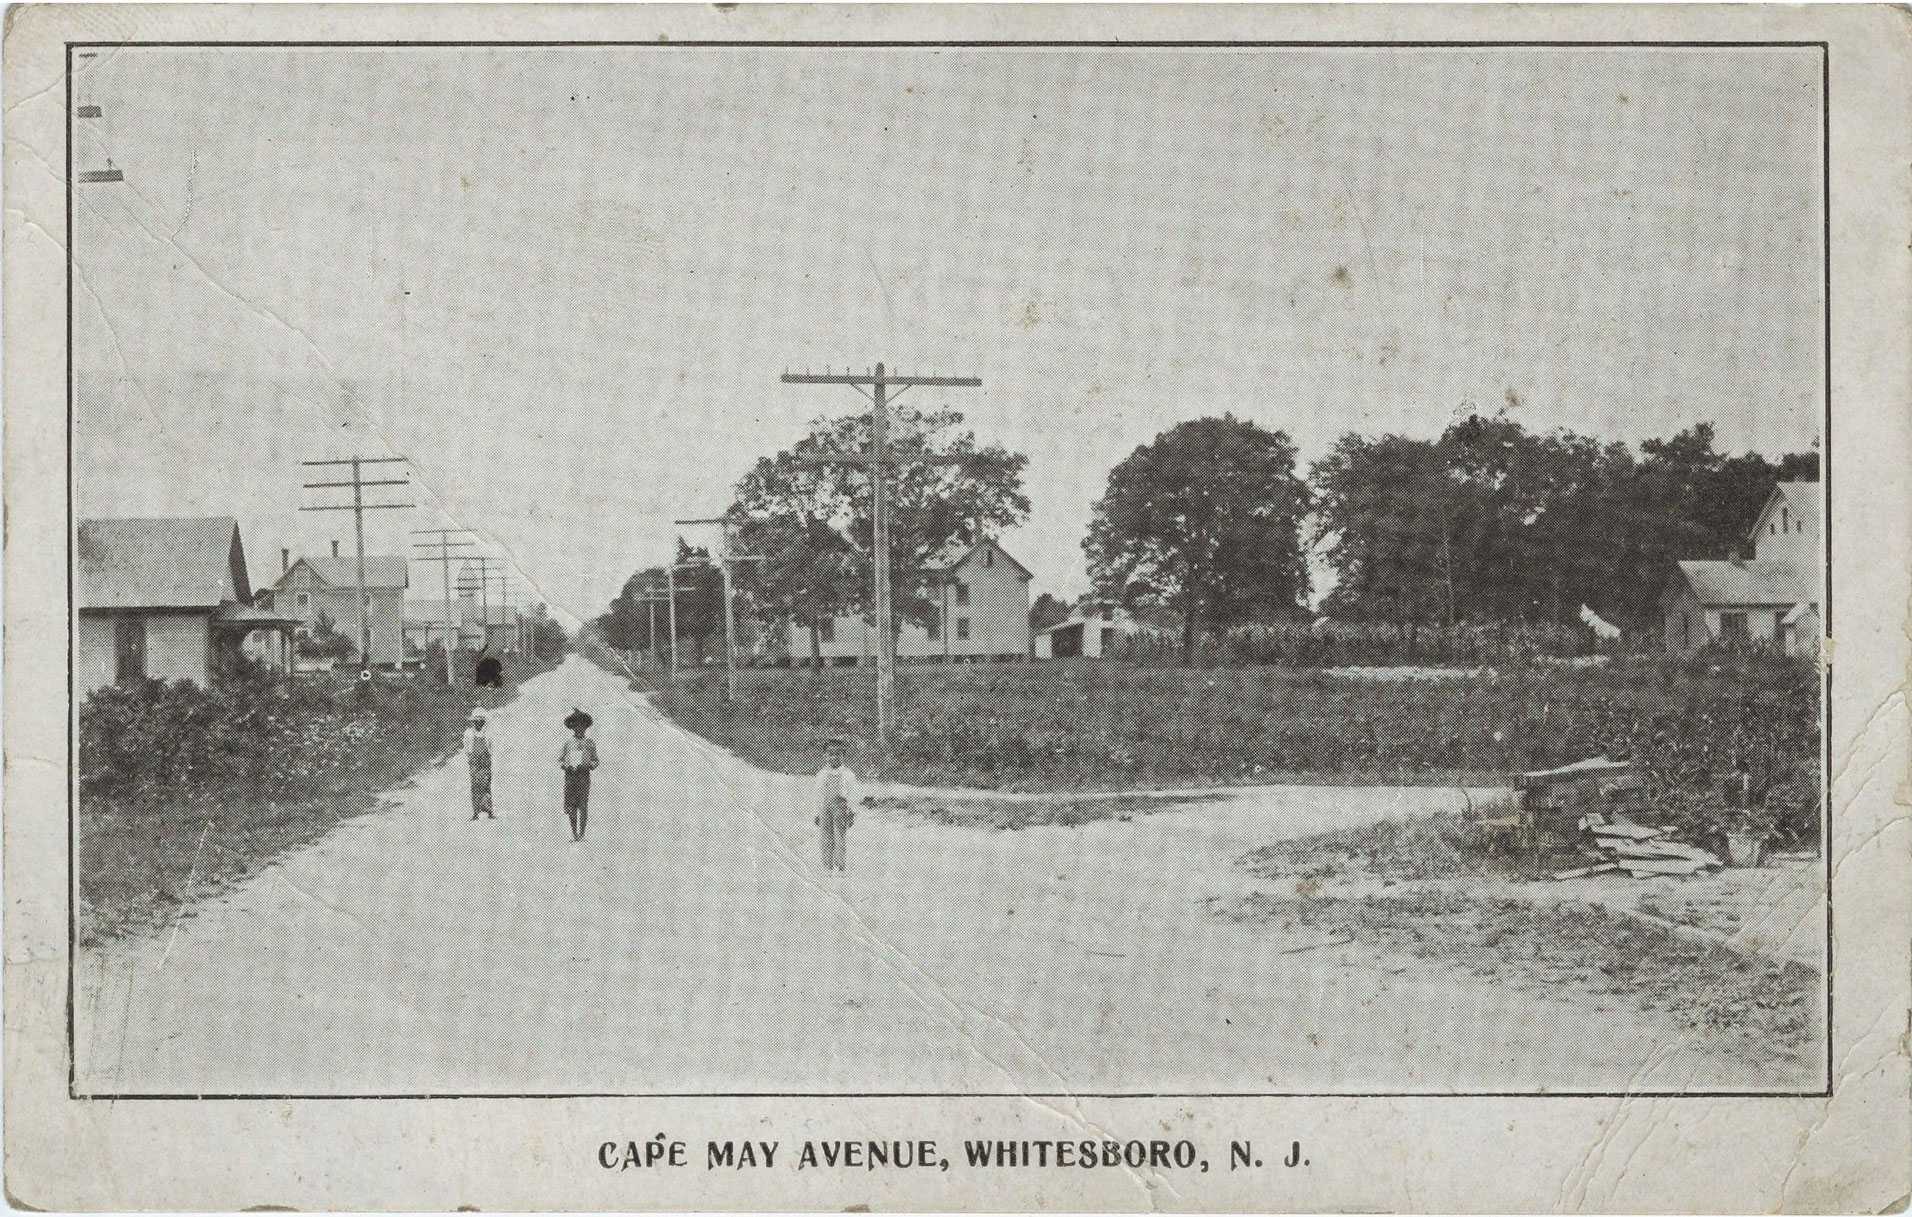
x=444, y=545
x=651, y=598
x=879, y=460
x=358, y=508
x=485, y=578
x=670, y=573
x=724, y=560
x=481, y=583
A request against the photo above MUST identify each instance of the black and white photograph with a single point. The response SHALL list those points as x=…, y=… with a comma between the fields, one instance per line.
x=1044, y=571
x=948, y=569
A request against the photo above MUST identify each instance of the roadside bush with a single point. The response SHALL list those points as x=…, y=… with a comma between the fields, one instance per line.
x=1361, y=644
x=265, y=738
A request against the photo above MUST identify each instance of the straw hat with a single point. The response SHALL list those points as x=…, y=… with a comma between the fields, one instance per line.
x=477, y=715
x=577, y=718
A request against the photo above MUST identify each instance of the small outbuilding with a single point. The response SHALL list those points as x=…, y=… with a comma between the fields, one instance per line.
x=167, y=599
x=1771, y=597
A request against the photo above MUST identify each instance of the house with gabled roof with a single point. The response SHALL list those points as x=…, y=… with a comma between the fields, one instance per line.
x=328, y=585
x=1772, y=596
x=981, y=594
x=166, y=599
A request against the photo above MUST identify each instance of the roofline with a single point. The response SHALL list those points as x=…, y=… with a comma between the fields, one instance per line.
x=305, y=560
x=1779, y=489
x=1000, y=548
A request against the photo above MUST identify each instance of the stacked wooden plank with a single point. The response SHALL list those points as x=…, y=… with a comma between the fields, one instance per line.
x=1638, y=850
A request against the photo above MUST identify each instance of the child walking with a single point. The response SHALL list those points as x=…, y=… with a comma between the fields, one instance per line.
x=578, y=759
x=837, y=795
x=478, y=757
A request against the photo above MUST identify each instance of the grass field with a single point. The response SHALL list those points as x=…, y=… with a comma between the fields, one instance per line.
x=185, y=791
x=1074, y=725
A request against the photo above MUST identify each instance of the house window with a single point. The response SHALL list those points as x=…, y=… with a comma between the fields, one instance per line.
x=304, y=599
x=962, y=628
x=1785, y=519
x=1779, y=626
x=1732, y=625
x=989, y=557
x=826, y=629
x=962, y=594
x=1685, y=637
x=1772, y=530
x=129, y=649
x=1108, y=640
x=935, y=626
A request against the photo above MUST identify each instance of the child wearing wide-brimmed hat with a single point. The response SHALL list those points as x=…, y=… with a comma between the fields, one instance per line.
x=578, y=759
x=478, y=758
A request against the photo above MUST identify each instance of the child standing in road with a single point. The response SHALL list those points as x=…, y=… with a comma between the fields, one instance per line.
x=838, y=793
x=578, y=759
x=478, y=757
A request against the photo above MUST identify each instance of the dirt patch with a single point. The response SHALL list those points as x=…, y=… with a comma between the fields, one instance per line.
x=1767, y=1007
x=1393, y=850
x=1013, y=814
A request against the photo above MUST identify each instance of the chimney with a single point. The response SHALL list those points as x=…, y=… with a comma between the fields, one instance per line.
x=285, y=559
x=335, y=549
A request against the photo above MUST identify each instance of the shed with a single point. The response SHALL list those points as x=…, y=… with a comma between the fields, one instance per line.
x=166, y=598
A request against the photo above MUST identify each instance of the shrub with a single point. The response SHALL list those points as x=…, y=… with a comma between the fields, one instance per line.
x=1350, y=644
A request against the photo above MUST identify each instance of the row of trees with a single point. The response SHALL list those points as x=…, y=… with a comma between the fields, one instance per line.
x=1213, y=523
x=1488, y=522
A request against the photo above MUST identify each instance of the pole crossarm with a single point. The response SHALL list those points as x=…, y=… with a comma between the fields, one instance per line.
x=362, y=460
x=348, y=485
x=879, y=460
x=365, y=507
x=879, y=377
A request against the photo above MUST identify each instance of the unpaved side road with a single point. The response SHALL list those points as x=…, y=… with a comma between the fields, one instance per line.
x=692, y=944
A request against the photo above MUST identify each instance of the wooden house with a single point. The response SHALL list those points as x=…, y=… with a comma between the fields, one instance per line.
x=981, y=595
x=329, y=585
x=1771, y=597
x=167, y=599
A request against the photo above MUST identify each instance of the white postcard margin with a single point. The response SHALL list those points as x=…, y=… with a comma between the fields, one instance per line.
x=1848, y=1153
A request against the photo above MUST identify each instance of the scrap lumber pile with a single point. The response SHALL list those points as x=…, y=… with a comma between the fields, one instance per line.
x=1638, y=850
x=1586, y=803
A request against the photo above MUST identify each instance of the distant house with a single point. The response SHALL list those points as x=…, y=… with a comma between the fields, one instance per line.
x=982, y=597
x=1772, y=596
x=499, y=632
x=425, y=626
x=167, y=599
x=1090, y=629
x=328, y=585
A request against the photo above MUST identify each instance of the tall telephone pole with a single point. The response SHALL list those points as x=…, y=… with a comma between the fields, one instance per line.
x=724, y=560
x=444, y=557
x=879, y=460
x=652, y=597
x=358, y=507
x=482, y=585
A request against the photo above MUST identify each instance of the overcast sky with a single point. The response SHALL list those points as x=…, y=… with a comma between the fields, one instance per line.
x=564, y=281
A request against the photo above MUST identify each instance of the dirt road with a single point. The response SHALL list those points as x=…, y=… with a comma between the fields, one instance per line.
x=692, y=944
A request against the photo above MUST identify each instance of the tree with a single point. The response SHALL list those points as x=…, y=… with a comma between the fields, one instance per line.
x=1208, y=518
x=1491, y=522
x=700, y=599
x=814, y=524
x=1048, y=610
x=324, y=640
x=547, y=635
x=785, y=512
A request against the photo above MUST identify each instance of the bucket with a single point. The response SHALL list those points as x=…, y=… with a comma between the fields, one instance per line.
x=1744, y=849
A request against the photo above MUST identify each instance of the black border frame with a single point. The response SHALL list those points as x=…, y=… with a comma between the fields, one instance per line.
x=1825, y=475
